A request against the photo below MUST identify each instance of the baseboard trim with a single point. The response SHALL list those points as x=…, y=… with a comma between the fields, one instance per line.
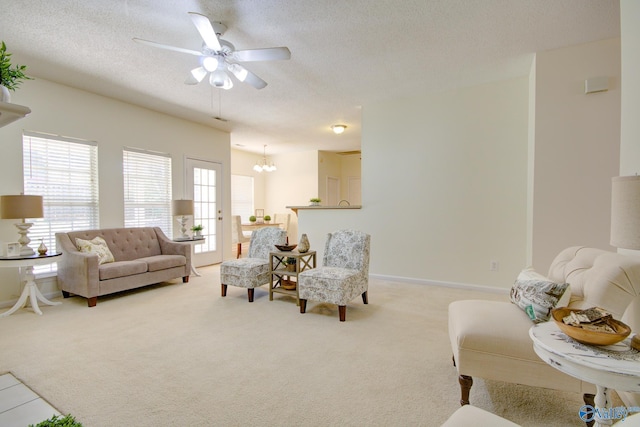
x=426, y=282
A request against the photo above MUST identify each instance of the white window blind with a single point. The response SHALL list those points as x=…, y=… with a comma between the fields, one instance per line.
x=64, y=171
x=147, y=189
x=242, y=196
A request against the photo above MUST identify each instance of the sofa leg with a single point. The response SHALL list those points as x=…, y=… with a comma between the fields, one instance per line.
x=250, y=292
x=342, y=311
x=365, y=298
x=465, y=388
x=223, y=290
x=185, y=279
x=589, y=399
x=303, y=306
x=92, y=301
x=65, y=294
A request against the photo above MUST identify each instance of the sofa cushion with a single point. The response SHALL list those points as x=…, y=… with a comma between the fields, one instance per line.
x=162, y=262
x=121, y=269
x=537, y=295
x=97, y=246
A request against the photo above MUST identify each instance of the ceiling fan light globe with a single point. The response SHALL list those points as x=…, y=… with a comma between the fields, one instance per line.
x=210, y=63
x=239, y=71
x=199, y=74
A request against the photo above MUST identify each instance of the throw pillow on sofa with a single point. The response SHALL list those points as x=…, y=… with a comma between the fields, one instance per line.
x=537, y=295
x=97, y=246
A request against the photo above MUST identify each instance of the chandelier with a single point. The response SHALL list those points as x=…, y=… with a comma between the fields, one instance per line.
x=264, y=166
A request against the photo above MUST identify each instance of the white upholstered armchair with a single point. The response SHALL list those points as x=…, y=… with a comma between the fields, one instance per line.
x=253, y=271
x=490, y=339
x=344, y=273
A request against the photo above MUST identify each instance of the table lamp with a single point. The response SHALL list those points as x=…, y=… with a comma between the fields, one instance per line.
x=182, y=209
x=21, y=207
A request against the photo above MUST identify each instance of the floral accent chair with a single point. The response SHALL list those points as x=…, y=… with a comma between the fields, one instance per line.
x=253, y=271
x=344, y=273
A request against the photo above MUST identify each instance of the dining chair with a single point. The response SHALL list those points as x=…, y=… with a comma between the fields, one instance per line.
x=237, y=235
x=253, y=271
x=283, y=219
x=344, y=273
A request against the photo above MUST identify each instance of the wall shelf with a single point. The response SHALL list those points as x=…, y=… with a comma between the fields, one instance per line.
x=9, y=113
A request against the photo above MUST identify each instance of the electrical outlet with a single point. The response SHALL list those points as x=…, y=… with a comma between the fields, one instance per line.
x=494, y=265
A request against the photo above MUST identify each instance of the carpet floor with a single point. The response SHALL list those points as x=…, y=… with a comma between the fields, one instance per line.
x=177, y=354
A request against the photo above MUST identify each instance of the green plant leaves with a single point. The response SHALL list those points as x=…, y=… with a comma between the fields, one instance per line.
x=10, y=77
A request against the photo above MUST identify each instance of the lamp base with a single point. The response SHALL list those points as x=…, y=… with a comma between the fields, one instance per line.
x=182, y=220
x=24, y=240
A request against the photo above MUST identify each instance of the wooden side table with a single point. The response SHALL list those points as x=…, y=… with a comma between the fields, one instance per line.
x=281, y=276
x=30, y=290
x=616, y=366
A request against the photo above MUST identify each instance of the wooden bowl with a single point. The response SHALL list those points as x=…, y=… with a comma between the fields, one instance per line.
x=590, y=337
x=286, y=248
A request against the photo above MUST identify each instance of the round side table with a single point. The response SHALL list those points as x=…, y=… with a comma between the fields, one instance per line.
x=615, y=366
x=31, y=291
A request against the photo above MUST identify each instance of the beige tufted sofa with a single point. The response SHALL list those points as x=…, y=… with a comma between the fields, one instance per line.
x=490, y=339
x=143, y=256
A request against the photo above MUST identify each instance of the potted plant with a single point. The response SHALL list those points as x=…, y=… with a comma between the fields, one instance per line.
x=267, y=218
x=315, y=201
x=252, y=218
x=290, y=264
x=197, y=229
x=55, y=421
x=10, y=77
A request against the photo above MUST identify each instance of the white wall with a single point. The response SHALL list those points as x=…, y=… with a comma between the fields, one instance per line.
x=630, y=122
x=576, y=149
x=62, y=110
x=443, y=186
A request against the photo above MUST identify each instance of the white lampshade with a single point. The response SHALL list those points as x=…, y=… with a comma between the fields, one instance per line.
x=625, y=212
x=182, y=207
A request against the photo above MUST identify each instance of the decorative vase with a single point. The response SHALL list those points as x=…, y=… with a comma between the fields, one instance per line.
x=42, y=249
x=303, y=246
x=5, y=95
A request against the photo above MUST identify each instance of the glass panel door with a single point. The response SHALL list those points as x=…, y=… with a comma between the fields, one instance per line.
x=204, y=186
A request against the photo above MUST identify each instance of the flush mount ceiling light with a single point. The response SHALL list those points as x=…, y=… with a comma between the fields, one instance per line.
x=264, y=166
x=338, y=129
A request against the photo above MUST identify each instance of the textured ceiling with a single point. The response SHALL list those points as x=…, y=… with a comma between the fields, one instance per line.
x=344, y=54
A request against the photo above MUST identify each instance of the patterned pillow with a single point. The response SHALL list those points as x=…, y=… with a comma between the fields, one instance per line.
x=537, y=295
x=97, y=246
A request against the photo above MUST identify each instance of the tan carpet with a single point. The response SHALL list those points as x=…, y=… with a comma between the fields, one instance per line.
x=180, y=355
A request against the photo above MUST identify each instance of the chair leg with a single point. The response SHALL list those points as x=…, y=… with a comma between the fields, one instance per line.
x=589, y=399
x=250, y=294
x=365, y=298
x=223, y=290
x=342, y=311
x=303, y=305
x=465, y=388
x=239, y=250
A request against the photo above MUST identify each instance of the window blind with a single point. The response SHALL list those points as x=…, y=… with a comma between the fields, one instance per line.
x=242, y=196
x=64, y=171
x=147, y=189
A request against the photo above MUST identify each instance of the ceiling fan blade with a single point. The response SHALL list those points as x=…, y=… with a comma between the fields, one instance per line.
x=167, y=47
x=204, y=27
x=196, y=76
x=266, y=54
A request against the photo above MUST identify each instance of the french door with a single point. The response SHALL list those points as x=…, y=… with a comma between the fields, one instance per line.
x=204, y=187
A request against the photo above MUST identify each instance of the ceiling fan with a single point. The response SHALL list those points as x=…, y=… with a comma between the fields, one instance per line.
x=218, y=57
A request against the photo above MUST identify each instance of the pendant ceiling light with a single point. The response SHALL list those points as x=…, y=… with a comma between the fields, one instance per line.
x=264, y=166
